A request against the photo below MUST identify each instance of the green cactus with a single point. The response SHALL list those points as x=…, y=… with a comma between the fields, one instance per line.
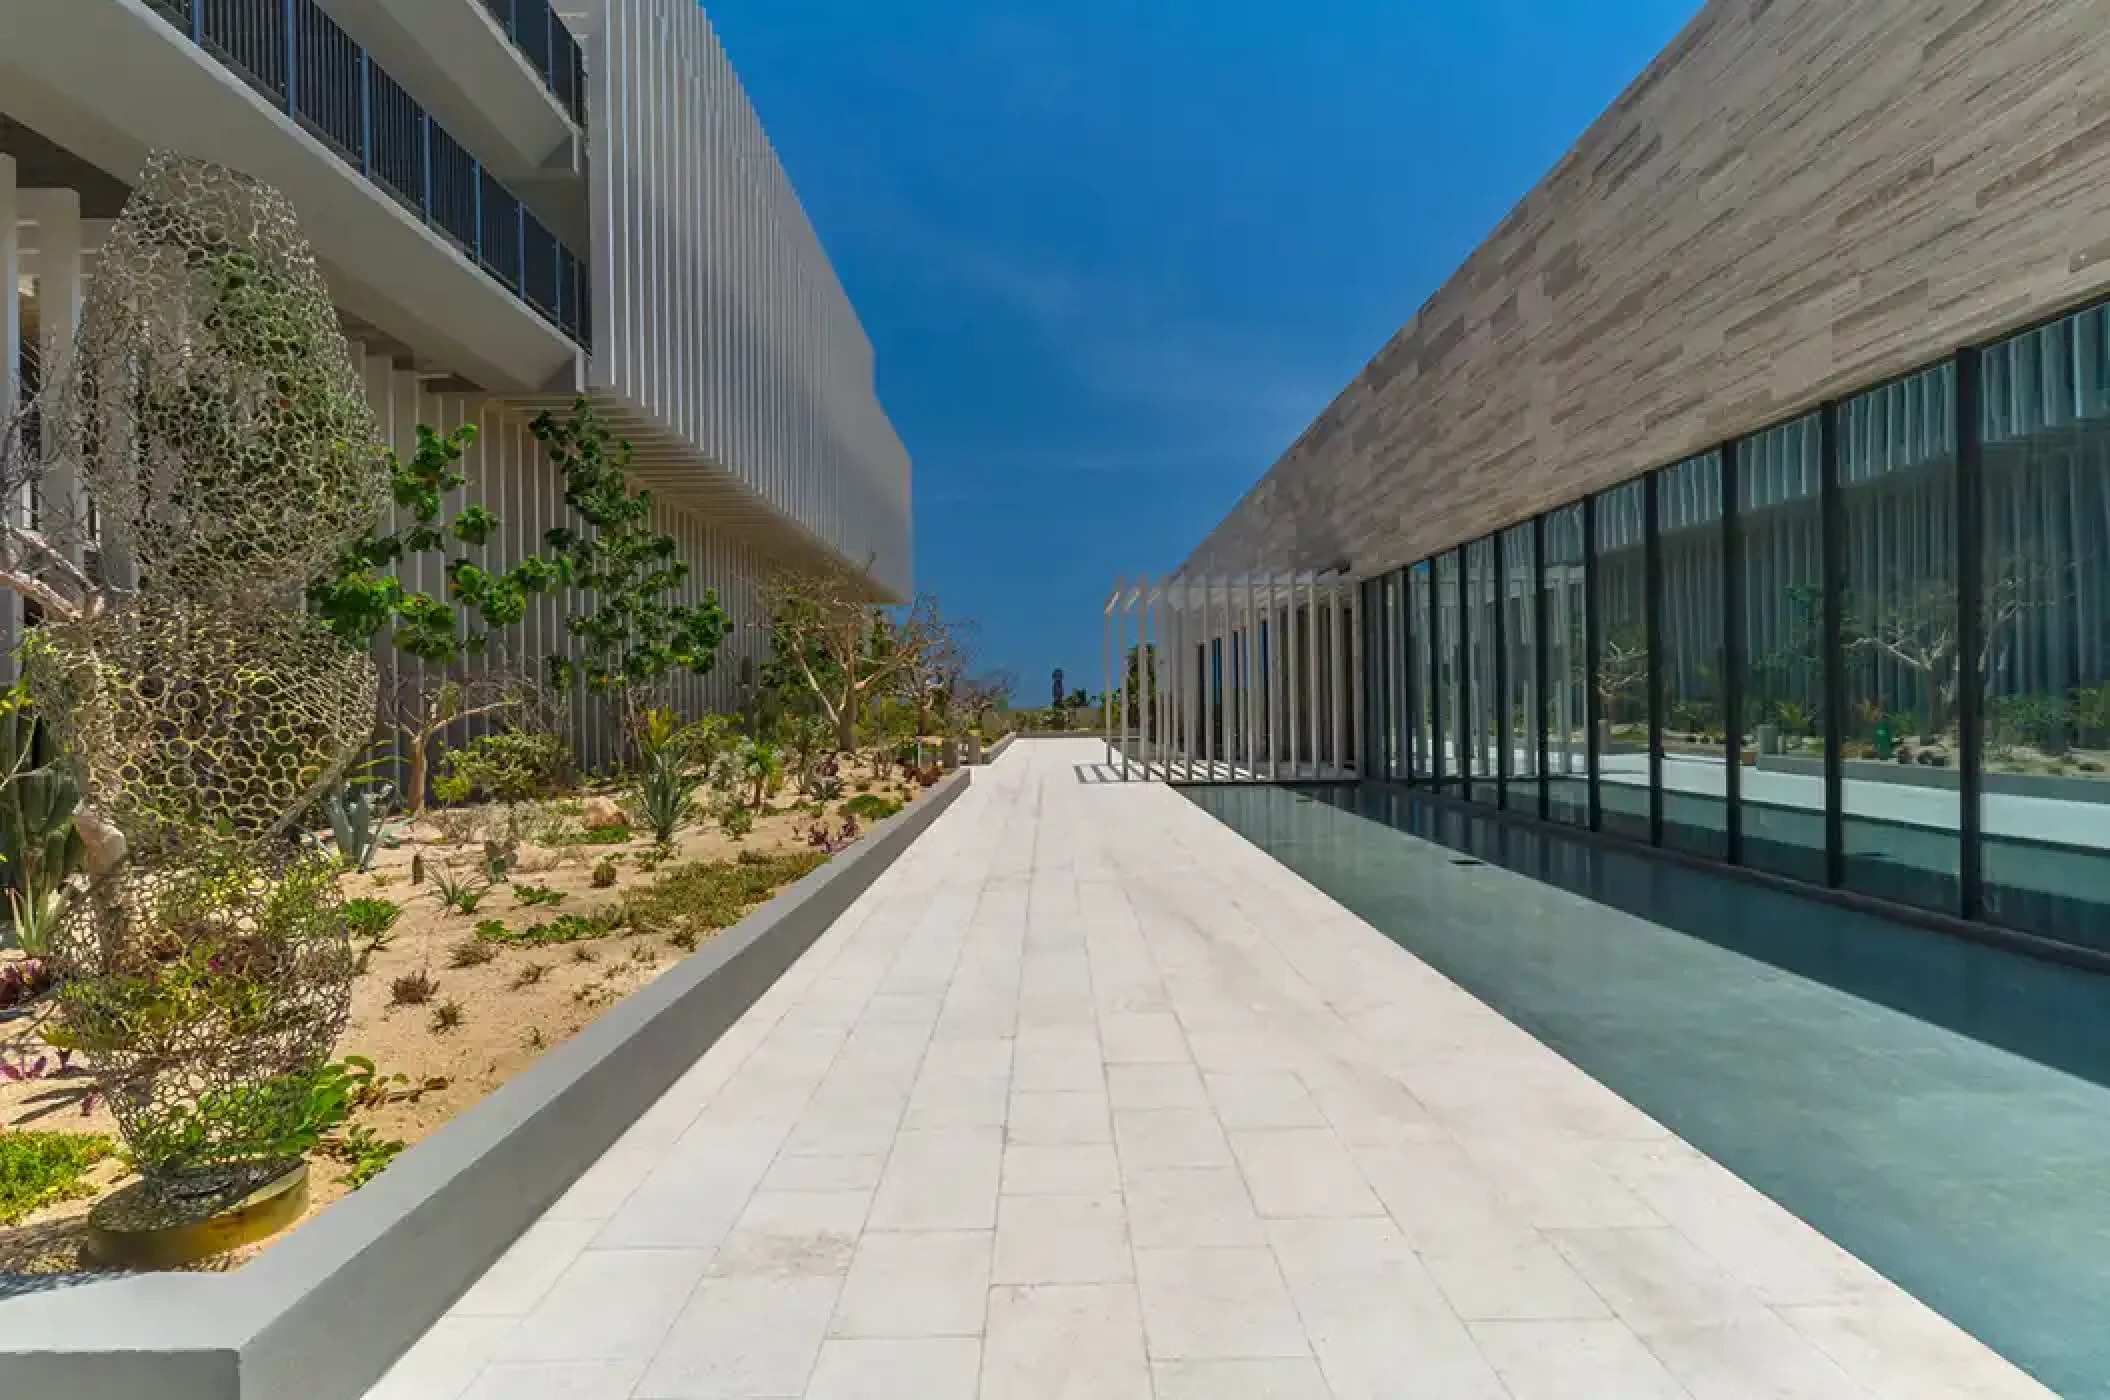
x=38, y=842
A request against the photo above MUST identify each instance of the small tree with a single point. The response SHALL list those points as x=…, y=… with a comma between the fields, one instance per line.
x=827, y=635
x=935, y=676
x=421, y=712
x=635, y=632
x=361, y=595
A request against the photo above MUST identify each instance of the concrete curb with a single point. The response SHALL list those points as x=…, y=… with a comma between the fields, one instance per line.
x=321, y=1314
x=996, y=750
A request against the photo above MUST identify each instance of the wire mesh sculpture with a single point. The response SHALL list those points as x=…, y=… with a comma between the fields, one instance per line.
x=212, y=413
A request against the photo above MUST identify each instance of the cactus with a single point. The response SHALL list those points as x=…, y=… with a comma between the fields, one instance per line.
x=355, y=815
x=38, y=841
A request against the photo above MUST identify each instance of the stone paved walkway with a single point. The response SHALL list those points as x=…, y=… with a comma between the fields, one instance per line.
x=1087, y=1099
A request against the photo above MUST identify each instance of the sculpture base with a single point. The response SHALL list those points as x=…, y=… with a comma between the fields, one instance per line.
x=141, y=1227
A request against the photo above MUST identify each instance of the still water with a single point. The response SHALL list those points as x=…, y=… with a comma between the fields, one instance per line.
x=1939, y=1108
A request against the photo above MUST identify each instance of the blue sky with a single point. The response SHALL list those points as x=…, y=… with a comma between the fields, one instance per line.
x=1115, y=254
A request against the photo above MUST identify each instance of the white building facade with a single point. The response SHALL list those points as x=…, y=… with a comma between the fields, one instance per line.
x=515, y=204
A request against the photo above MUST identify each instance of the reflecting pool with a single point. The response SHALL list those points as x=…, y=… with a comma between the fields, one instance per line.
x=1940, y=1108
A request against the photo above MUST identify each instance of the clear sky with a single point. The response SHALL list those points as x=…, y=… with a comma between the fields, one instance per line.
x=1114, y=255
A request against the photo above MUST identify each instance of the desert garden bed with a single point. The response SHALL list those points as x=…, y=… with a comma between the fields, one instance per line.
x=466, y=975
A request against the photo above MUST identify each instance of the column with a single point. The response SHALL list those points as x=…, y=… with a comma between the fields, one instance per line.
x=10, y=379
x=1343, y=636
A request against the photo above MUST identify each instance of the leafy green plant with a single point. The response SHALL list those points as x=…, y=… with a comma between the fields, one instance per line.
x=737, y=821
x=565, y=928
x=365, y=1153
x=369, y=918
x=703, y=896
x=510, y=765
x=276, y=1119
x=362, y=593
x=870, y=807
x=535, y=895
x=614, y=834
x=762, y=768
x=38, y=1169
x=633, y=630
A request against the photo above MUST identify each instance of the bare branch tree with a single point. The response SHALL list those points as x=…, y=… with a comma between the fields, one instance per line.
x=828, y=636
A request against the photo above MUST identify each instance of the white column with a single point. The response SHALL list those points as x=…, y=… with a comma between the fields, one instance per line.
x=1343, y=637
x=1250, y=677
x=10, y=378
x=57, y=216
x=1275, y=697
x=1108, y=650
x=1208, y=688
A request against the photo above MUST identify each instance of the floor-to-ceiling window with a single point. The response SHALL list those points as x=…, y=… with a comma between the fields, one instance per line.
x=1902, y=677
x=1484, y=699
x=1781, y=657
x=1689, y=657
x=1448, y=673
x=2044, y=413
x=1567, y=699
x=1420, y=632
x=1521, y=717
x=1622, y=669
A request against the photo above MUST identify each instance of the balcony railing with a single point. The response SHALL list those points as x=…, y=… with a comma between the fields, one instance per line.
x=300, y=58
x=549, y=47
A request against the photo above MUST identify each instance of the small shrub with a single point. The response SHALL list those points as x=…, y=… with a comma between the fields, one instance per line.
x=604, y=875
x=870, y=807
x=447, y=1016
x=23, y=981
x=509, y=766
x=535, y=1039
x=475, y=950
x=612, y=834
x=455, y=893
x=643, y=956
x=534, y=895
x=369, y=919
x=666, y=793
x=736, y=822
x=684, y=939
x=413, y=989
x=702, y=897
x=580, y=953
x=454, y=825
x=365, y=1153
x=38, y=1169
x=493, y=929
x=529, y=975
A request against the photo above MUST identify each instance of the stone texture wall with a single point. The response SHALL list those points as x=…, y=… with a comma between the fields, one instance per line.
x=1798, y=198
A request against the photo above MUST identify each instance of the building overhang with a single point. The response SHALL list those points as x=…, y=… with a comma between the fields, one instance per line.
x=110, y=81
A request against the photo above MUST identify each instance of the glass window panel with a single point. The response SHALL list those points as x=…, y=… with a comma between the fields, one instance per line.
x=1421, y=756
x=1622, y=662
x=1567, y=708
x=1780, y=544
x=2044, y=412
x=1448, y=674
x=1689, y=613
x=1394, y=713
x=1483, y=702
x=1901, y=800
x=1520, y=712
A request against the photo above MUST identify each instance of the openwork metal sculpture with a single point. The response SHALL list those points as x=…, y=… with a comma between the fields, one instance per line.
x=211, y=411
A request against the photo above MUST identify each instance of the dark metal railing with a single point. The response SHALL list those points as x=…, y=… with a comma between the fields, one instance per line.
x=295, y=54
x=549, y=48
